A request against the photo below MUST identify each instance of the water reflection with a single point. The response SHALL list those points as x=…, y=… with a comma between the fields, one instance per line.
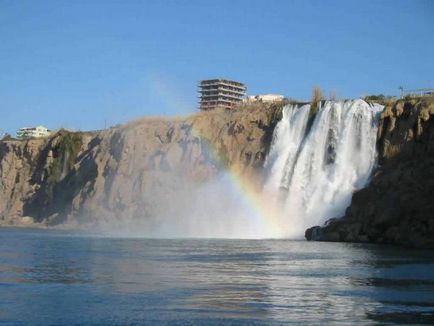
x=57, y=277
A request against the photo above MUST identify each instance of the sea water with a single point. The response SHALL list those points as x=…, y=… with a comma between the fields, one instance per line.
x=59, y=277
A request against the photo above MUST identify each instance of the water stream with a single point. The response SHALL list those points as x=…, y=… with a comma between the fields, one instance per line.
x=312, y=172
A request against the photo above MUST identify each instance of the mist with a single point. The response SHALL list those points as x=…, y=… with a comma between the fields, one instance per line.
x=308, y=177
x=187, y=209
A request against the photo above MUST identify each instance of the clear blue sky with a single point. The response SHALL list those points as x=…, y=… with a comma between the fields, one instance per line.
x=79, y=63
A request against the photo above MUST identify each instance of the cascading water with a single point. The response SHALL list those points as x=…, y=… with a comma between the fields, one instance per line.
x=314, y=165
x=313, y=170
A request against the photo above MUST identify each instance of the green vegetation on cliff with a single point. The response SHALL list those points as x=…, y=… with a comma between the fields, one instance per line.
x=65, y=155
x=315, y=103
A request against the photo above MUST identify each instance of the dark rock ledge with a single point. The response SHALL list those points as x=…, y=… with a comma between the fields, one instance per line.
x=397, y=207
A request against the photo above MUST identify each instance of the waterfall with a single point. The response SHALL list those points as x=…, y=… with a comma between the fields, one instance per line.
x=65, y=165
x=311, y=174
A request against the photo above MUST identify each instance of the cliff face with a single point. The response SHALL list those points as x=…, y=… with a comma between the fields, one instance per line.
x=135, y=171
x=17, y=164
x=31, y=172
x=397, y=206
x=78, y=178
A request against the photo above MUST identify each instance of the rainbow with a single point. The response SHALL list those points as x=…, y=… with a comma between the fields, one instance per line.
x=259, y=210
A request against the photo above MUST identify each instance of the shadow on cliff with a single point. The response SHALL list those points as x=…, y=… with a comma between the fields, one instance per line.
x=165, y=175
x=397, y=206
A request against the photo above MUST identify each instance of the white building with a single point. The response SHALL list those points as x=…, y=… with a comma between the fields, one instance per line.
x=269, y=98
x=32, y=132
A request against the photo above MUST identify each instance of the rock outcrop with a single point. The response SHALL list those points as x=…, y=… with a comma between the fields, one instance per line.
x=134, y=171
x=75, y=178
x=397, y=207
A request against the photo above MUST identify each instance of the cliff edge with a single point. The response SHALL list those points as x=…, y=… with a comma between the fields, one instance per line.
x=119, y=173
x=397, y=207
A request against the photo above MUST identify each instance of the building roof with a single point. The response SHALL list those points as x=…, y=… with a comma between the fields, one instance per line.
x=220, y=81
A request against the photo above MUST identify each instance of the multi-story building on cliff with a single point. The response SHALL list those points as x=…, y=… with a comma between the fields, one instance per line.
x=224, y=93
x=32, y=132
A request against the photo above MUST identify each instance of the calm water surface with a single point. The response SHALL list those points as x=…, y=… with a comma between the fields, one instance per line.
x=55, y=277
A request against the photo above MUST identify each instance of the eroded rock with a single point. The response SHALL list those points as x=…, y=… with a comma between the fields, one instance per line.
x=397, y=207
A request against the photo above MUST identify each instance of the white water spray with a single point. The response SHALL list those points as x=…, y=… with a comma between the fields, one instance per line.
x=313, y=170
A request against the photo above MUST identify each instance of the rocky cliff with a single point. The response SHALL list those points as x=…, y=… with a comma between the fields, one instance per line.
x=75, y=178
x=134, y=172
x=397, y=207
